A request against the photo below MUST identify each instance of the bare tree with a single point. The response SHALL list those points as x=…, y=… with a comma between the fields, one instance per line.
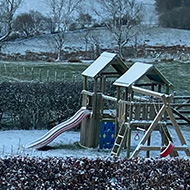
x=62, y=12
x=120, y=18
x=85, y=22
x=7, y=12
x=30, y=24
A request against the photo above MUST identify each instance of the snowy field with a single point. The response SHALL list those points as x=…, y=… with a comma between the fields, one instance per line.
x=13, y=142
x=154, y=36
x=149, y=34
x=75, y=41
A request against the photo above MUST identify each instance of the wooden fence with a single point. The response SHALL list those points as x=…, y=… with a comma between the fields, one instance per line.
x=37, y=74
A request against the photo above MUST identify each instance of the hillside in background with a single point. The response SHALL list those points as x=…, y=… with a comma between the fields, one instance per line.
x=42, y=6
x=151, y=42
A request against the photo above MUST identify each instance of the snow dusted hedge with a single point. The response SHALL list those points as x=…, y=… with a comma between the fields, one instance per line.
x=97, y=174
x=35, y=105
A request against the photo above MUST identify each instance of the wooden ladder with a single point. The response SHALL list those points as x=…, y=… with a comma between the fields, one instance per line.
x=119, y=140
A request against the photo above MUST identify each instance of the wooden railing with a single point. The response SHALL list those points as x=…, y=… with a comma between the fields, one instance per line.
x=143, y=112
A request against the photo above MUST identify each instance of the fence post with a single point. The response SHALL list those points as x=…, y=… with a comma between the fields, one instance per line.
x=5, y=67
x=24, y=70
x=40, y=74
x=32, y=73
x=48, y=75
x=73, y=77
x=55, y=75
x=17, y=72
x=64, y=76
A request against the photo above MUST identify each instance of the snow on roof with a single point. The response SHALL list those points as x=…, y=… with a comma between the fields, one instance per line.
x=137, y=71
x=102, y=62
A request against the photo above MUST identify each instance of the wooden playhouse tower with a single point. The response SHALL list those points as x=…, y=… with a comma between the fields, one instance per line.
x=146, y=106
x=107, y=66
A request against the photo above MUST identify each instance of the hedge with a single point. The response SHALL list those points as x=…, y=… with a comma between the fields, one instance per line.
x=36, y=105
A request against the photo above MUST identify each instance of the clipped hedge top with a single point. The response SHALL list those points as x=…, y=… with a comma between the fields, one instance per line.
x=83, y=173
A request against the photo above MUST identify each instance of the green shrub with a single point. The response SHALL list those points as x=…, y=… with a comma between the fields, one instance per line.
x=37, y=105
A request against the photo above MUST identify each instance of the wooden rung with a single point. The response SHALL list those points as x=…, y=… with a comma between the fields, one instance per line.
x=121, y=136
x=145, y=122
x=116, y=144
x=180, y=148
x=114, y=154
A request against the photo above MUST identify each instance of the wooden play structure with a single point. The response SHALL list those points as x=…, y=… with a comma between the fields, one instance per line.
x=107, y=66
x=143, y=101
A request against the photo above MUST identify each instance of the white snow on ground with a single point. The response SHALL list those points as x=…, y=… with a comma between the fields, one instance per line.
x=154, y=36
x=13, y=142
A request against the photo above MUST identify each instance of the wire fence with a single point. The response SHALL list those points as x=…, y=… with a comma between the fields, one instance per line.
x=25, y=73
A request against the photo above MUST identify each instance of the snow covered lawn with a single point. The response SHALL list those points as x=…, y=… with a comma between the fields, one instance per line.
x=13, y=142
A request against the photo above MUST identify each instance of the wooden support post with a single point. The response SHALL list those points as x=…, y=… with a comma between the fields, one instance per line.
x=145, y=112
x=40, y=75
x=117, y=110
x=85, y=131
x=91, y=137
x=85, y=83
x=126, y=99
x=148, y=144
x=103, y=85
x=128, y=141
x=149, y=131
x=85, y=100
x=177, y=129
x=127, y=138
x=167, y=89
x=137, y=111
x=96, y=120
x=90, y=128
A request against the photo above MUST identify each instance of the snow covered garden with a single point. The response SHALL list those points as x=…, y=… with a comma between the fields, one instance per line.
x=41, y=62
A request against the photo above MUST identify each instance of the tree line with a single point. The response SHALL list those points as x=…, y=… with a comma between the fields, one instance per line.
x=120, y=17
x=174, y=13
